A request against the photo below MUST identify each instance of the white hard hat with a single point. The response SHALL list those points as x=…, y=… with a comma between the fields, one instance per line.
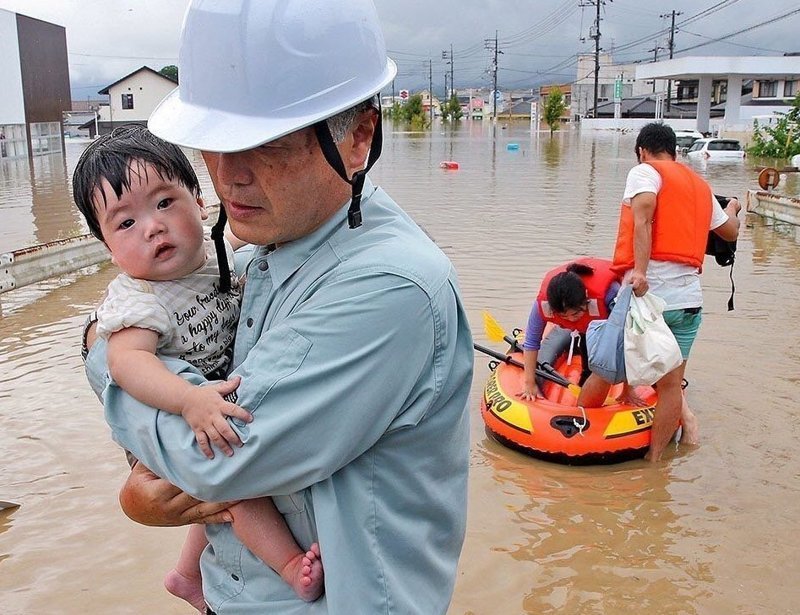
x=252, y=71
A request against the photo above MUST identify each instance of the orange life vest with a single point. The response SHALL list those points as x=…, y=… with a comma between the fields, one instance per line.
x=597, y=286
x=680, y=222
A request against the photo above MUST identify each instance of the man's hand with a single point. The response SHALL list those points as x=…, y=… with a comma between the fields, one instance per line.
x=639, y=282
x=150, y=500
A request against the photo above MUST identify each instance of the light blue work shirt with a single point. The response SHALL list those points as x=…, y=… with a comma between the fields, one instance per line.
x=356, y=362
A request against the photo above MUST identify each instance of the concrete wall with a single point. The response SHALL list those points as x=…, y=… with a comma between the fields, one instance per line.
x=12, y=106
x=633, y=124
x=148, y=90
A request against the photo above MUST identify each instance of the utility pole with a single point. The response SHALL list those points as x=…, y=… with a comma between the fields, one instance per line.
x=671, y=49
x=451, y=61
x=596, y=56
x=655, y=51
x=494, y=72
x=430, y=88
x=594, y=32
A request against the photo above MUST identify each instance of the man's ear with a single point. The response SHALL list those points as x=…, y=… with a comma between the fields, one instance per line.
x=360, y=139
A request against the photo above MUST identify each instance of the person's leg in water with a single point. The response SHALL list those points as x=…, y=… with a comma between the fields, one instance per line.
x=593, y=392
x=667, y=414
x=685, y=325
x=689, y=423
x=184, y=581
x=263, y=530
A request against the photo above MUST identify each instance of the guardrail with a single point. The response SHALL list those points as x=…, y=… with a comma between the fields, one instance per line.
x=48, y=260
x=774, y=206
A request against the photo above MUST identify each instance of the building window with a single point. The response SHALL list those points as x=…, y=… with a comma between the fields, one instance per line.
x=767, y=89
x=13, y=141
x=127, y=101
x=789, y=89
x=687, y=90
x=45, y=138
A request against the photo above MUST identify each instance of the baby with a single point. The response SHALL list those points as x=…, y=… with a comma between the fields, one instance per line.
x=141, y=197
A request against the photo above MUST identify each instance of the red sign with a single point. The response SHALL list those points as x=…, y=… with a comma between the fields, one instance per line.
x=404, y=94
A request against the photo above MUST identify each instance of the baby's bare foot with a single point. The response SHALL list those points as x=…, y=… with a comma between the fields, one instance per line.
x=304, y=573
x=187, y=588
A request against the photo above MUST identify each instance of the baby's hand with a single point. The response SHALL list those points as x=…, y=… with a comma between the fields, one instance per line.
x=205, y=410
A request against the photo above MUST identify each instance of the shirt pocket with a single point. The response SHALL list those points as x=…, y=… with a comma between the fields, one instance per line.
x=278, y=354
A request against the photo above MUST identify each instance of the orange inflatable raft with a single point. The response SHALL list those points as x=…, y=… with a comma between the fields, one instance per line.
x=554, y=427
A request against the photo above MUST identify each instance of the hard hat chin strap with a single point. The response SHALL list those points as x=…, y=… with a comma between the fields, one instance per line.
x=331, y=153
x=218, y=236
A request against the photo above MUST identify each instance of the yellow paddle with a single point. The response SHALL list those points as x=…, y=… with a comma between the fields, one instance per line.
x=496, y=333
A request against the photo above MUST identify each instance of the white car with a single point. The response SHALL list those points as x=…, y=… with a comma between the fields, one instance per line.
x=686, y=138
x=716, y=149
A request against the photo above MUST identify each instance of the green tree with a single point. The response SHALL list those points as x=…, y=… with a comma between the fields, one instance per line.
x=413, y=112
x=170, y=72
x=782, y=140
x=451, y=110
x=554, y=108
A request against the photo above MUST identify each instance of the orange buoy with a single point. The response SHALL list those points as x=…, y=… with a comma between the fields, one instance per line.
x=448, y=164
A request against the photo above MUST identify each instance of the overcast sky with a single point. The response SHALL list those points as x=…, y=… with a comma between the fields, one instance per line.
x=539, y=39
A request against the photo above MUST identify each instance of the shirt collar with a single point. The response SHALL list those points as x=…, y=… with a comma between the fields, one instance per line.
x=289, y=257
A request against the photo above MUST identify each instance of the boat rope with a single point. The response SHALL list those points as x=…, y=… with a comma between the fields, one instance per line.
x=581, y=426
x=574, y=343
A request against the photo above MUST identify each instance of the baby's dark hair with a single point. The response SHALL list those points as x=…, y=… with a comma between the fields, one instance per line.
x=657, y=139
x=566, y=291
x=112, y=157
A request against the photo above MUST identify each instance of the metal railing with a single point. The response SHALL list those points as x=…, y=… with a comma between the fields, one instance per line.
x=48, y=260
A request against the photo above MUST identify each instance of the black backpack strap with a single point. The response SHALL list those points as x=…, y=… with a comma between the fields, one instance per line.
x=733, y=287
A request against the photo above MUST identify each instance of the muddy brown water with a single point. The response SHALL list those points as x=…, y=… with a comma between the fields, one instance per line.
x=710, y=530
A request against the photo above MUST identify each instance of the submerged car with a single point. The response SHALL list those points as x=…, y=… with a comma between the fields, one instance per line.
x=686, y=138
x=716, y=149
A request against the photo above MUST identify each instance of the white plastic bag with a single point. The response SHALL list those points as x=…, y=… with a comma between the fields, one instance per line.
x=651, y=350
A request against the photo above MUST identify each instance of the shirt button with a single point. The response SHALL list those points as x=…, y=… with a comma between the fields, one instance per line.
x=263, y=265
x=234, y=577
x=249, y=322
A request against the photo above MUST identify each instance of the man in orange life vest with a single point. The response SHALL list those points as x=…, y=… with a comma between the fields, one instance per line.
x=667, y=210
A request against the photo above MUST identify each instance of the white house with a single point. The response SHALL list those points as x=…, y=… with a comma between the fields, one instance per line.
x=775, y=79
x=133, y=98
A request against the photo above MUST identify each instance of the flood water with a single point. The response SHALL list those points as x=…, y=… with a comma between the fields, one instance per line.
x=710, y=530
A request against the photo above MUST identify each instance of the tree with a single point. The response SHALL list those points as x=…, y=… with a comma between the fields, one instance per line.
x=170, y=72
x=451, y=110
x=782, y=140
x=412, y=112
x=554, y=108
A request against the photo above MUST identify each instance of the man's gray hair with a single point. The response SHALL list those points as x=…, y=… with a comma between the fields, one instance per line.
x=341, y=123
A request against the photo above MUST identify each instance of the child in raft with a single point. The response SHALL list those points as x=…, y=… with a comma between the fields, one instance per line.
x=572, y=296
x=141, y=197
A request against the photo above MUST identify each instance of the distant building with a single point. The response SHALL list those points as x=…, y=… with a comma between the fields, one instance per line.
x=471, y=105
x=775, y=81
x=132, y=99
x=645, y=107
x=566, y=92
x=78, y=124
x=34, y=81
